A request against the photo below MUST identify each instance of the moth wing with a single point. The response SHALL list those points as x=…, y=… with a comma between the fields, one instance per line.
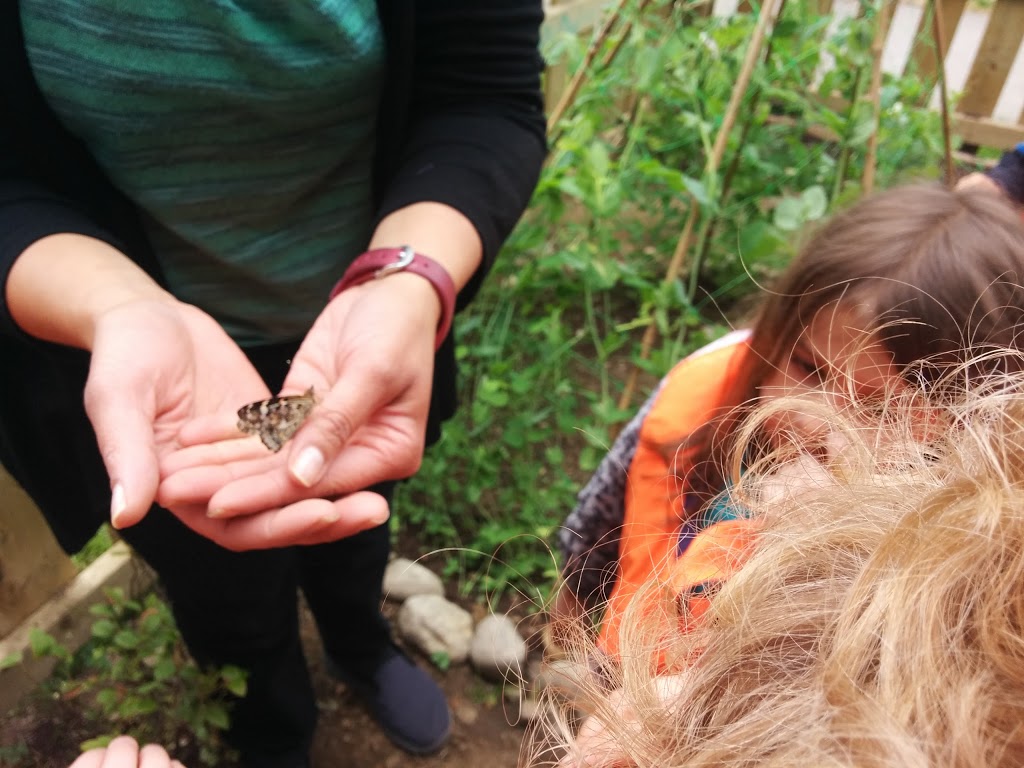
x=274, y=440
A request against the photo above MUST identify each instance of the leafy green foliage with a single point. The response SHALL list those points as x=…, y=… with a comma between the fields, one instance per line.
x=139, y=680
x=546, y=347
x=441, y=660
x=101, y=541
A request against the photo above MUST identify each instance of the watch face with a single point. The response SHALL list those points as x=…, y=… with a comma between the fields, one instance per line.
x=276, y=420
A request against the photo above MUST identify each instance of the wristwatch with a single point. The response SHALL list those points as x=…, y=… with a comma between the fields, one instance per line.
x=381, y=262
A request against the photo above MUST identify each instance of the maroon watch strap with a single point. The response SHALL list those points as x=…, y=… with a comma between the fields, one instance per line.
x=382, y=262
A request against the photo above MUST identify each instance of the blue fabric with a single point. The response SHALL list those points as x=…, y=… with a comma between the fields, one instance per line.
x=721, y=508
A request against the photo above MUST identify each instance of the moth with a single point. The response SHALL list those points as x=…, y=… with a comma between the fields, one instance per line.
x=277, y=419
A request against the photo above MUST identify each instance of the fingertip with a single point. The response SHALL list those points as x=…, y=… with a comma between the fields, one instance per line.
x=308, y=466
x=91, y=759
x=122, y=514
x=118, y=505
x=361, y=511
x=154, y=756
x=379, y=517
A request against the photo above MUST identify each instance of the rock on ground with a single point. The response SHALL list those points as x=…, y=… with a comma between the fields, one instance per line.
x=498, y=651
x=404, y=578
x=436, y=626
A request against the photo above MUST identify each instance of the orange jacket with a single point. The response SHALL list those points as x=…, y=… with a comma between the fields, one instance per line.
x=649, y=542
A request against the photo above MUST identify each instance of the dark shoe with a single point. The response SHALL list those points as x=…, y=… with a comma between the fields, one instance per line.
x=404, y=700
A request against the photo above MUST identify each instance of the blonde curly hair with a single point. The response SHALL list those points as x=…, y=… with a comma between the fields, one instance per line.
x=879, y=622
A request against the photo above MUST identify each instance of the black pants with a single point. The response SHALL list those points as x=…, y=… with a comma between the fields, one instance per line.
x=241, y=608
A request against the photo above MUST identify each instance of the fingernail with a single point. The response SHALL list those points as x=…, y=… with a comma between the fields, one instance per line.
x=308, y=467
x=330, y=518
x=381, y=518
x=117, y=506
x=216, y=512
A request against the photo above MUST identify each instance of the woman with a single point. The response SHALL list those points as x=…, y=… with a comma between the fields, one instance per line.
x=181, y=185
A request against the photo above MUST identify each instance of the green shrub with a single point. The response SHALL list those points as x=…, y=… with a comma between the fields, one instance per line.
x=134, y=677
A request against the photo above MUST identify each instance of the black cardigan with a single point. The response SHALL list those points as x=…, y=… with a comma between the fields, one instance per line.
x=461, y=122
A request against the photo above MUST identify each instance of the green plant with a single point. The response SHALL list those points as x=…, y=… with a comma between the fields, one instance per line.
x=441, y=660
x=136, y=677
x=101, y=541
x=484, y=694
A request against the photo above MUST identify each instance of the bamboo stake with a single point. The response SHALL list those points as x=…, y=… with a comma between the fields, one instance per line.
x=610, y=56
x=885, y=13
x=704, y=244
x=708, y=232
x=764, y=20
x=580, y=75
x=845, y=152
x=947, y=142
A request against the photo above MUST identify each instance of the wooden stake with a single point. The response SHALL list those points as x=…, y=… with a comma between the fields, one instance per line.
x=580, y=75
x=940, y=54
x=845, y=152
x=708, y=231
x=885, y=13
x=764, y=20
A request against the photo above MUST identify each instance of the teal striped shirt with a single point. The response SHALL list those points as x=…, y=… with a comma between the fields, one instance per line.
x=244, y=131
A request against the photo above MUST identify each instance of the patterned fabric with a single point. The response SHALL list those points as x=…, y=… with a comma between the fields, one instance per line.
x=244, y=130
x=589, y=540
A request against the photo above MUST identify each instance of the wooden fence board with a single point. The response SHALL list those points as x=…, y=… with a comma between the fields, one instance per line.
x=995, y=57
x=986, y=132
x=923, y=54
x=973, y=118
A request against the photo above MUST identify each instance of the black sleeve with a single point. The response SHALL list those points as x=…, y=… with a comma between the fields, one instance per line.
x=475, y=127
x=1009, y=174
x=29, y=213
x=48, y=182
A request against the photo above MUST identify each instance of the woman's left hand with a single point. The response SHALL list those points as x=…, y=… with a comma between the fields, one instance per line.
x=369, y=358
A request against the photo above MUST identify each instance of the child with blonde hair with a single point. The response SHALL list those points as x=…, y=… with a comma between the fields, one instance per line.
x=884, y=299
x=876, y=620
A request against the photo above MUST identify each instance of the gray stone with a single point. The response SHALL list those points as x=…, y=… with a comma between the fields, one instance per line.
x=498, y=651
x=404, y=578
x=436, y=626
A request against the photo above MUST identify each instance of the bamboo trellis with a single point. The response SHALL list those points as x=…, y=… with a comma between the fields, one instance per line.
x=974, y=119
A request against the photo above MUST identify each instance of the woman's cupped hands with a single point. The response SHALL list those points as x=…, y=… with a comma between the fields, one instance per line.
x=369, y=361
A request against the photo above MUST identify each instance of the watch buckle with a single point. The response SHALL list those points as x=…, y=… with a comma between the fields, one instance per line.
x=405, y=257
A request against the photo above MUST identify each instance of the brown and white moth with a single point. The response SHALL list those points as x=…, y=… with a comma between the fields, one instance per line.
x=277, y=419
